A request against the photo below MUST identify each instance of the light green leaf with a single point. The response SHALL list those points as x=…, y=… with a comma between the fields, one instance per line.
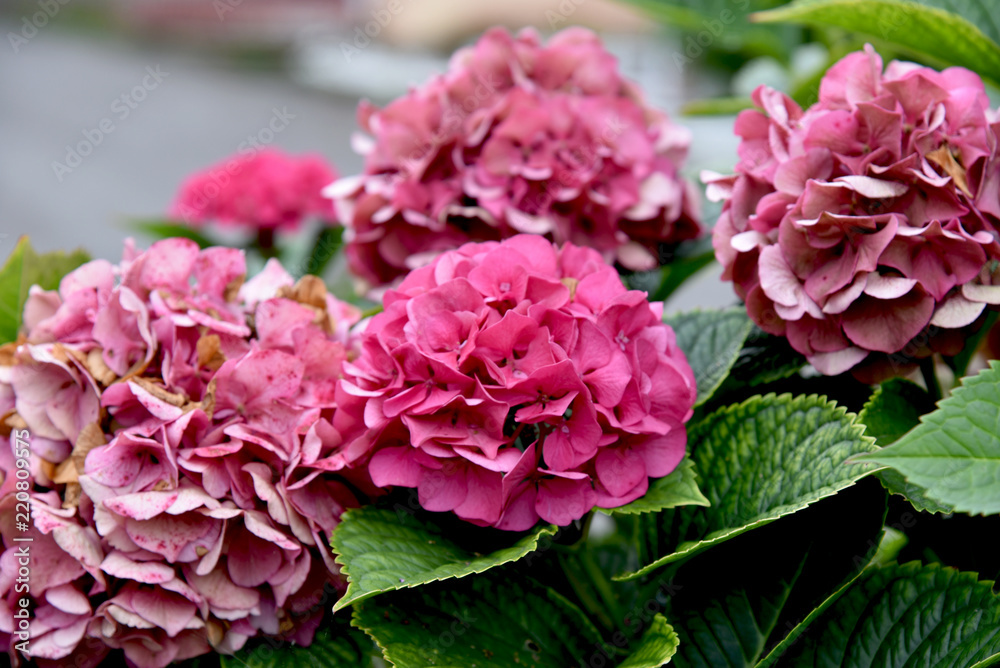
x=908, y=615
x=894, y=409
x=23, y=269
x=680, y=488
x=338, y=647
x=921, y=27
x=757, y=461
x=658, y=644
x=954, y=454
x=491, y=620
x=383, y=550
x=716, y=106
x=712, y=341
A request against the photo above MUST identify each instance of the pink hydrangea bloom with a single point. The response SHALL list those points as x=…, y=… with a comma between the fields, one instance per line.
x=266, y=189
x=185, y=469
x=513, y=380
x=518, y=136
x=864, y=223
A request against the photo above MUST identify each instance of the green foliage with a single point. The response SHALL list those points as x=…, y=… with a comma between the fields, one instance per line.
x=491, y=620
x=894, y=409
x=164, y=229
x=334, y=646
x=23, y=269
x=383, y=550
x=658, y=644
x=757, y=461
x=954, y=454
x=908, y=615
x=950, y=32
x=711, y=340
x=680, y=488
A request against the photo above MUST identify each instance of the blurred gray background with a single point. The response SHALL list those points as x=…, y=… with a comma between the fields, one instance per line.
x=107, y=106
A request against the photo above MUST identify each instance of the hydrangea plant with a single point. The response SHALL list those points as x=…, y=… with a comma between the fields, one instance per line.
x=515, y=457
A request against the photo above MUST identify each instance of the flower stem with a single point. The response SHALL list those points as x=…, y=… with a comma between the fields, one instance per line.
x=265, y=242
x=930, y=377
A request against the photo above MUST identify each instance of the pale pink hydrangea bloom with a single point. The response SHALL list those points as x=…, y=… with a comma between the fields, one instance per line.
x=517, y=137
x=181, y=429
x=866, y=222
x=511, y=381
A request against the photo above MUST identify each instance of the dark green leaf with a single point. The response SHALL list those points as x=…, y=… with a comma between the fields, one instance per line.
x=338, y=646
x=711, y=340
x=329, y=241
x=954, y=454
x=491, y=620
x=383, y=550
x=757, y=461
x=894, y=409
x=908, y=615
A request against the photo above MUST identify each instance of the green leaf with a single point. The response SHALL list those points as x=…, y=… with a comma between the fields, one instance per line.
x=732, y=608
x=339, y=646
x=23, y=269
x=905, y=615
x=894, y=409
x=492, y=620
x=680, y=488
x=383, y=550
x=658, y=644
x=329, y=241
x=712, y=341
x=716, y=106
x=760, y=460
x=954, y=454
x=924, y=28
x=687, y=259
x=164, y=229
x=764, y=358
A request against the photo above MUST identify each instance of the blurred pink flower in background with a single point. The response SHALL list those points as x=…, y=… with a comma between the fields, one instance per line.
x=517, y=137
x=181, y=421
x=265, y=189
x=514, y=381
x=867, y=221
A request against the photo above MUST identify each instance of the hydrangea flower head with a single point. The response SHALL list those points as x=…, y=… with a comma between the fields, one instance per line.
x=517, y=137
x=511, y=381
x=263, y=190
x=181, y=437
x=857, y=226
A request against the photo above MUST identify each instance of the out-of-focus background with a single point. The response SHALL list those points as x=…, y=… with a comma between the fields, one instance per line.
x=108, y=105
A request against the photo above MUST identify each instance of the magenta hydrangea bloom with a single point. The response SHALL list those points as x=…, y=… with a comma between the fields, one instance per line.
x=185, y=470
x=860, y=224
x=518, y=136
x=263, y=190
x=511, y=381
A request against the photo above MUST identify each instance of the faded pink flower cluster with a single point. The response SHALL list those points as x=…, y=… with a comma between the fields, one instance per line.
x=511, y=381
x=518, y=136
x=263, y=190
x=181, y=433
x=866, y=222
